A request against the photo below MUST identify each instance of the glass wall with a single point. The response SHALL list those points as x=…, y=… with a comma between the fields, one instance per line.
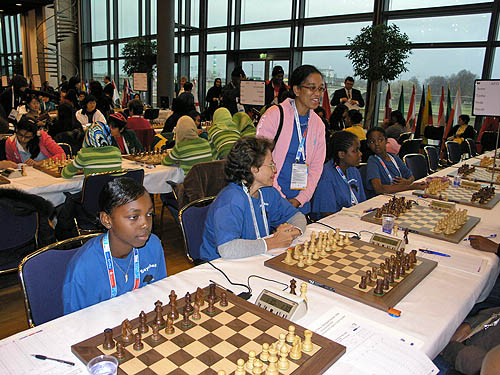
x=11, y=58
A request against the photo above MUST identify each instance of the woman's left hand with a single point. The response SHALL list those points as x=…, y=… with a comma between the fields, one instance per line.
x=295, y=203
x=30, y=162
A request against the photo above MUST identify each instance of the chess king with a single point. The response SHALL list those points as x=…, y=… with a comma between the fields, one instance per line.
x=125, y=258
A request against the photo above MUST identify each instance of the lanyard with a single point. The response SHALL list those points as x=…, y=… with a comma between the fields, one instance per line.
x=354, y=200
x=385, y=167
x=13, y=95
x=302, y=138
x=111, y=268
x=254, y=218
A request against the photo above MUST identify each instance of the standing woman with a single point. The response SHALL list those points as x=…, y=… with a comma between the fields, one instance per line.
x=214, y=96
x=340, y=184
x=300, y=147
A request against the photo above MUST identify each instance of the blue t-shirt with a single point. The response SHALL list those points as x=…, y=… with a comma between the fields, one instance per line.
x=375, y=169
x=285, y=175
x=229, y=217
x=87, y=280
x=332, y=193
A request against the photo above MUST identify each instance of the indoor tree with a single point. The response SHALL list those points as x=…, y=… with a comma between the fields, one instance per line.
x=378, y=53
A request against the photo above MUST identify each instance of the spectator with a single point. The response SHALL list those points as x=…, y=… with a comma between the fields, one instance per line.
x=353, y=124
x=275, y=87
x=231, y=92
x=214, y=97
x=223, y=133
x=348, y=95
x=181, y=106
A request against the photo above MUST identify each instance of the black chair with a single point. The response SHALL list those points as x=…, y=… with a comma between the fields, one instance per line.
x=454, y=152
x=192, y=219
x=432, y=155
x=434, y=133
x=151, y=113
x=404, y=136
x=488, y=141
x=43, y=289
x=92, y=186
x=410, y=146
x=471, y=144
x=365, y=151
x=417, y=165
x=362, y=168
x=67, y=149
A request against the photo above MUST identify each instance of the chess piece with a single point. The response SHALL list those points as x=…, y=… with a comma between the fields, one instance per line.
x=258, y=367
x=211, y=291
x=138, y=345
x=291, y=334
x=283, y=363
x=143, y=327
x=362, y=284
x=272, y=368
x=223, y=299
x=315, y=255
x=387, y=282
x=289, y=257
x=251, y=360
x=296, y=252
x=120, y=351
x=323, y=252
x=307, y=345
x=281, y=342
x=221, y=372
x=296, y=352
x=196, y=312
x=170, y=327
x=186, y=322
x=211, y=307
x=127, y=335
x=264, y=355
x=402, y=270
x=159, y=316
x=301, y=261
x=309, y=259
x=379, y=289
x=303, y=291
x=156, y=333
x=188, y=307
x=293, y=287
x=109, y=343
x=198, y=298
x=240, y=367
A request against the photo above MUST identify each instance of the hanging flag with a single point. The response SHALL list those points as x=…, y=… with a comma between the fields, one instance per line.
x=456, y=104
x=441, y=115
x=401, y=104
x=420, y=112
x=126, y=94
x=194, y=91
x=427, y=114
x=116, y=95
x=388, y=108
x=326, y=103
x=84, y=86
x=448, y=105
x=410, y=118
x=458, y=107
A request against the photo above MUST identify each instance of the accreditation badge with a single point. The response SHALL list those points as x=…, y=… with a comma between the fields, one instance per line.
x=299, y=176
x=13, y=115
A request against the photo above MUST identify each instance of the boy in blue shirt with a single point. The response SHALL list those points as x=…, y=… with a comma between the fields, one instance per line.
x=125, y=258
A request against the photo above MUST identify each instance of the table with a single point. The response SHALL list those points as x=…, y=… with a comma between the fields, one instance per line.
x=430, y=312
x=52, y=189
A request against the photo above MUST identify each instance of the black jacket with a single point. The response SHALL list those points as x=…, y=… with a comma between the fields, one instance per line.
x=341, y=93
x=270, y=92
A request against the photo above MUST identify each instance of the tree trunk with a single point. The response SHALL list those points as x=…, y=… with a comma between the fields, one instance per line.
x=371, y=101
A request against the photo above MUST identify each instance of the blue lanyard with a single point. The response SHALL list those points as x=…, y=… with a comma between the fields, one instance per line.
x=111, y=269
x=385, y=167
x=354, y=200
x=254, y=218
x=302, y=137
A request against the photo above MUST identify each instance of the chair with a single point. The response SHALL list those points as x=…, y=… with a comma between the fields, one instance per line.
x=67, y=149
x=432, y=155
x=19, y=238
x=43, y=289
x=434, y=134
x=410, y=146
x=192, y=220
x=453, y=151
x=92, y=186
x=151, y=113
x=362, y=168
x=417, y=165
x=471, y=144
x=488, y=141
x=404, y=136
x=365, y=151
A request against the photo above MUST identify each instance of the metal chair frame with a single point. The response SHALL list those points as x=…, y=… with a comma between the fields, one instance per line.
x=426, y=151
x=67, y=149
x=448, y=143
x=407, y=156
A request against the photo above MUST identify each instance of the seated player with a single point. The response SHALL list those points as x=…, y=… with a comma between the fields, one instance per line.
x=223, y=133
x=240, y=219
x=353, y=124
x=340, y=184
x=123, y=138
x=127, y=255
x=386, y=172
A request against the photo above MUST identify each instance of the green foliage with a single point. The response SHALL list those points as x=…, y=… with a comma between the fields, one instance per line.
x=140, y=56
x=379, y=52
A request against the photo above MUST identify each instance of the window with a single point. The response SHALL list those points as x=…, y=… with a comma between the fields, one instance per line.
x=194, y=43
x=100, y=52
x=99, y=69
x=320, y=8
x=154, y=17
x=195, y=13
x=275, y=10
x=216, y=68
x=335, y=34
x=495, y=71
x=99, y=20
x=413, y=4
x=128, y=18
x=216, y=42
x=274, y=38
x=254, y=69
x=193, y=69
x=217, y=13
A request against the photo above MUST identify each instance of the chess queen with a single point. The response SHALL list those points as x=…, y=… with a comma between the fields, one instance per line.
x=123, y=259
x=240, y=219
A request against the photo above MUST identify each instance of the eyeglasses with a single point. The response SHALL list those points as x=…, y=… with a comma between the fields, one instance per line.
x=320, y=89
x=373, y=141
x=272, y=166
x=24, y=136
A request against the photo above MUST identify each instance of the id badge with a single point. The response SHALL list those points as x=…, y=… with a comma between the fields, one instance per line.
x=299, y=176
x=240, y=107
x=13, y=114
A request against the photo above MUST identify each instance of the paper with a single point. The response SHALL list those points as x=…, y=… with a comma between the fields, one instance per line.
x=5, y=83
x=367, y=348
x=252, y=92
x=457, y=261
x=37, y=83
x=140, y=82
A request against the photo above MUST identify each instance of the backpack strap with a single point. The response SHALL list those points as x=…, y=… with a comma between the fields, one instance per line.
x=280, y=126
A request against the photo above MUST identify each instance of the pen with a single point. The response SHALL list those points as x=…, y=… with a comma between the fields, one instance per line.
x=434, y=253
x=44, y=357
x=490, y=236
x=370, y=210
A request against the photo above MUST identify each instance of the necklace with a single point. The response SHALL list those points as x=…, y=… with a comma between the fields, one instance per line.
x=121, y=269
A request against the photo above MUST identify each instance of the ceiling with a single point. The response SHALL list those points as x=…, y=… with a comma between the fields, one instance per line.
x=12, y=7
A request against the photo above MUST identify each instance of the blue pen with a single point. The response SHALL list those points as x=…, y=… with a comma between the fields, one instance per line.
x=434, y=253
x=490, y=236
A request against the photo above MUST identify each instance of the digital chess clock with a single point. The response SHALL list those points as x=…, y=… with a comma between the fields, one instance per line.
x=286, y=305
x=388, y=242
x=443, y=206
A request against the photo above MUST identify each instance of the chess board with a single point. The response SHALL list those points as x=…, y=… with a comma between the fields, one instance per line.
x=213, y=343
x=490, y=165
x=421, y=220
x=54, y=170
x=151, y=158
x=480, y=175
x=341, y=270
x=460, y=195
x=4, y=181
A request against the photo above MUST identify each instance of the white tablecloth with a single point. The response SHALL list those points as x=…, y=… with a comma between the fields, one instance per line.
x=52, y=189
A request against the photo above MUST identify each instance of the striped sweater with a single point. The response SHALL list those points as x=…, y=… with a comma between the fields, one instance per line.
x=222, y=140
x=94, y=160
x=189, y=152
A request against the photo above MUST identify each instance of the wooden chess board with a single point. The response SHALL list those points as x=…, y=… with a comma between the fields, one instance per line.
x=460, y=195
x=422, y=220
x=490, y=165
x=480, y=175
x=54, y=170
x=152, y=158
x=341, y=270
x=213, y=343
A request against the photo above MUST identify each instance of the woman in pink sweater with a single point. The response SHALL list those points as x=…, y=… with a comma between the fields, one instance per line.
x=300, y=149
x=26, y=146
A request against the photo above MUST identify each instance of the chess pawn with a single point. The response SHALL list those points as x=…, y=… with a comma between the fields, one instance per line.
x=362, y=284
x=290, y=338
x=251, y=360
x=240, y=367
x=281, y=342
x=296, y=252
x=347, y=240
x=309, y=259
x=196, y=312
x=169, y=329
x=303, y=291
x=340, y=241
x=264, y=355
x=258, y=367
x=138, y=345
x=283, y=363
x=272, y=368
x=301, y=263
x=296, y=352
x=289, y=257
x=323, y=252
x=120, y=351
x=156, y=333
x=307, y=345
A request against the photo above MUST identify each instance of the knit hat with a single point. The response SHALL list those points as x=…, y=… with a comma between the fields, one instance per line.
x=185, y=129
x=97, y=135
x=118, y=119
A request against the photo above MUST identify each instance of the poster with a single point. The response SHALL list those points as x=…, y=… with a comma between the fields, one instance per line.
x=140, y=82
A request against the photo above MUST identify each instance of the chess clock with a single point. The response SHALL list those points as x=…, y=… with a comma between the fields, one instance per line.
x=283, y=304
x=389, y=242
x=443, y=206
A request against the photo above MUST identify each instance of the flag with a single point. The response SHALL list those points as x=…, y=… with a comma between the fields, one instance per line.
x=427, y=114
x=388, y=109
x=401, y=104
x=194, y=91
x=84, y=86
x=116, y=95
x=411, y=112
x=441, y=115
x=448, y=105
x=458, y=107
x=420, y=112
x=456, y=104
x=326, y=103
x=126, y=94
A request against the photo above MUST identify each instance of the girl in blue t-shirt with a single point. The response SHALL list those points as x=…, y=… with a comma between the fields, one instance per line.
x=386, y=172
x=340, y=184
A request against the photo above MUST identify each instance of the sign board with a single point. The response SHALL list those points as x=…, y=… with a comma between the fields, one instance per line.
x=140, y=82
x=37, y=82
x=253, y=92
x=5, y=82
x=486, y=100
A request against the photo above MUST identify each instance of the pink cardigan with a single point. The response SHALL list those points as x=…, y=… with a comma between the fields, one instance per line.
x=48, y=147
x=315, y=144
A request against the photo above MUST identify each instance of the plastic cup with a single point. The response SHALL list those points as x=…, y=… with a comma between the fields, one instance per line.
x=388, y=223
x=103, y=365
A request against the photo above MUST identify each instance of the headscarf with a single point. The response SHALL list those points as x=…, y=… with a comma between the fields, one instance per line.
x=222, y=119
x=185, y=129
x=242, y=120
x=97, y=135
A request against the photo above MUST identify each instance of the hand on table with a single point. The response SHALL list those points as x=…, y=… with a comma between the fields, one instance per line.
x=482, y=243
x=283, y=237
x=30, y=162
x=400, y=181
x=7, y=164
x=295, y=203
x=421, y=185
x=461, y=333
